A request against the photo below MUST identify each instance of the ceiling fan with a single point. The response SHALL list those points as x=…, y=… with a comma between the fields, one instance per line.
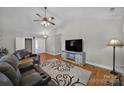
x=46, y=21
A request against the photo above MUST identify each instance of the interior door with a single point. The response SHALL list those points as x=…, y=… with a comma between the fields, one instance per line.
x=20, y=43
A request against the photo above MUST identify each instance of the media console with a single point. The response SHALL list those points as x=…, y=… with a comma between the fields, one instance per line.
x=76, y=57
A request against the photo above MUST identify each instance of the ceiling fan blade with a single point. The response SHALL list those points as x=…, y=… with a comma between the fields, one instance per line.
x=51, y=18
x=51, y=22
x=38, y=15
x=37, y=20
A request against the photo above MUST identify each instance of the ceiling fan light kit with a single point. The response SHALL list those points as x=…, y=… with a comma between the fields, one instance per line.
x=44, y=23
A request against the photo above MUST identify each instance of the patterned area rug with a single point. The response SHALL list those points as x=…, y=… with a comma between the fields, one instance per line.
x=65, y=74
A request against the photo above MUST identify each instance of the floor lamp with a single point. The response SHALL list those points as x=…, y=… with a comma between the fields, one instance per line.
x=114, y=43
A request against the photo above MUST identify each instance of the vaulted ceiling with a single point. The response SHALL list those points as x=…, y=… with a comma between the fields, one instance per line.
x=20, y=19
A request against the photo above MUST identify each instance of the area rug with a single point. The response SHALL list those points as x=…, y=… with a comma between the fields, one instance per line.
x=65, y=74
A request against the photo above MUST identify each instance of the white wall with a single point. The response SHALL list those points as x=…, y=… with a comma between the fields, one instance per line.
x=123, y=43
x=1, y=37
x=8, y=40
x=58, y=43
x=96, y=33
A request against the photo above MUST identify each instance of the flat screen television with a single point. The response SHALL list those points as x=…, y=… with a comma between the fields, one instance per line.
x=75, y=45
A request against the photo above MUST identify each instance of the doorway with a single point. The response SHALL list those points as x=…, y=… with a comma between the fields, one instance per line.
x=39, y=45
x=28, y=44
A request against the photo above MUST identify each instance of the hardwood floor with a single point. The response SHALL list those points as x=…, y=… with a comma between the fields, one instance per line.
x=99, y=76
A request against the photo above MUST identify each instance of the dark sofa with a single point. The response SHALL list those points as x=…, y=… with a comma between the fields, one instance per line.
x=33, y=76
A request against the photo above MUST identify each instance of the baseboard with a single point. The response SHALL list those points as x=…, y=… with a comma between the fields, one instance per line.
x=102, y=66
x=53, y=53
x=98, y=65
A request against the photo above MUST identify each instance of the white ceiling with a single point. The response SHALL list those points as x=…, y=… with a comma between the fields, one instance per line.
x=21, y=19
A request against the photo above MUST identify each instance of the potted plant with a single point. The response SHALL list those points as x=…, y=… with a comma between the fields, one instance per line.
x=4, y=51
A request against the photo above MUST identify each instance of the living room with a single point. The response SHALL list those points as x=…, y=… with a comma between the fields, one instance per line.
x=94, y=26
x=43, y=43
x=74, y=47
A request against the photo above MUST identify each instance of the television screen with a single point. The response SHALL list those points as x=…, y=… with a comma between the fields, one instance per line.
x=74, y=45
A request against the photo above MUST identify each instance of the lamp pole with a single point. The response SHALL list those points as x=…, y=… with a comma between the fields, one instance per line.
x=114, y=72
x=113, y=58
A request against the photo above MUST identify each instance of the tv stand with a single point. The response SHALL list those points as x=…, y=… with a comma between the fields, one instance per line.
x=75, y=57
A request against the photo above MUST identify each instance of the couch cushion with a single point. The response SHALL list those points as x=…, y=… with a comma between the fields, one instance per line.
x=25, y=67
x=10, y=72
x=10, y=59
x=4, y=80
x=28, y=72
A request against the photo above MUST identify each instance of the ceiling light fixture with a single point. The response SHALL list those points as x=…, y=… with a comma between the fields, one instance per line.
x=45, y=21
x=45, y=36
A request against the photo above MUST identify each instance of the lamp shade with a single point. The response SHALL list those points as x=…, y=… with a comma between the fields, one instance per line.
x=115, y=42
